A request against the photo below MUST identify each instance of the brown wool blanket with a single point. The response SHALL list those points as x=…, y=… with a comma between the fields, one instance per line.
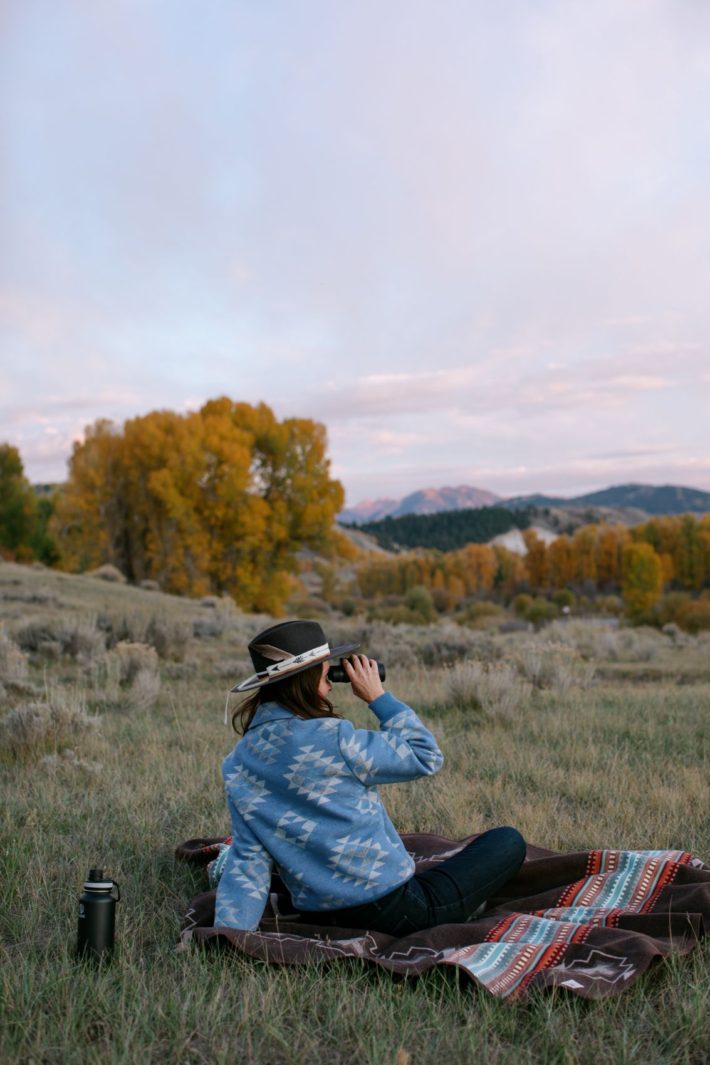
x=591, y=922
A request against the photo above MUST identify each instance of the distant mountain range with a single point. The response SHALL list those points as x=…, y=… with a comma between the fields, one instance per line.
x=652, y=499
x=425, y=501
x=648, y=499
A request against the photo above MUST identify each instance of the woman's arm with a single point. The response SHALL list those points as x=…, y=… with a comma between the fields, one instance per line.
x=243, y=889
x=403, y=749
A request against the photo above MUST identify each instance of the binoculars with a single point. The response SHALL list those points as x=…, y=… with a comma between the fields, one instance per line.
x=337, y=675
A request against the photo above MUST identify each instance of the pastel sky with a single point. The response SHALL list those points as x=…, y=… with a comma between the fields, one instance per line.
x=472, y=238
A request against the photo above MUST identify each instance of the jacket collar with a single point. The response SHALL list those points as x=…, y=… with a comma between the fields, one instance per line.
x=270, y=712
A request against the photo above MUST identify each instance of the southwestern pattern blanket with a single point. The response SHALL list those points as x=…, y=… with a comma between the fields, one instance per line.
x=591, y=922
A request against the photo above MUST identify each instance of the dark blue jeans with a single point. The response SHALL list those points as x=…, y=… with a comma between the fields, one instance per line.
x=448, y=893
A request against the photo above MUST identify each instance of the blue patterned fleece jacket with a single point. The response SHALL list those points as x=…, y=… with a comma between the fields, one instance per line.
x=302, y=796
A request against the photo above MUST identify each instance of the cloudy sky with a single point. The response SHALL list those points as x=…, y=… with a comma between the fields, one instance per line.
x=471, y=238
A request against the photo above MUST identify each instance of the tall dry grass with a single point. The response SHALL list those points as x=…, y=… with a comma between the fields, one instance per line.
x=616, y=761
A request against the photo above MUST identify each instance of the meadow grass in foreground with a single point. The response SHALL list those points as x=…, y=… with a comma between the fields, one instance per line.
x=612, y=762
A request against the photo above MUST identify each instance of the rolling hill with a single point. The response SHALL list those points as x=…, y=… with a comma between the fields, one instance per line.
x=632, y=501
x=651, y=499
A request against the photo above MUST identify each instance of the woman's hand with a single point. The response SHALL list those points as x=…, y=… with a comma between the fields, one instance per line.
x=364, y=677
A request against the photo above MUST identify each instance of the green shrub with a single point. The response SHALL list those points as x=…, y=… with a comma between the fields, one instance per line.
x=521, y=604
x=420, y=602
x=669, y=607
x=694, y=617
x=612, y=605
x=540, y=611
x=564, y=597
x=310, y=607
x=441, y=599
x=395, y=615
x=480, y=614
x=348, y=607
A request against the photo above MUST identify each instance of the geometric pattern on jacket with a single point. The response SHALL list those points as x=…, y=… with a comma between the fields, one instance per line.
x=303, y=800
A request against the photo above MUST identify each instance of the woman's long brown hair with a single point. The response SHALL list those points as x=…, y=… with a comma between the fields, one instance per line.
x=299, y=694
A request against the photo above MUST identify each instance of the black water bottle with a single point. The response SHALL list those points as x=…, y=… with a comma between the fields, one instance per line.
x=97, y=917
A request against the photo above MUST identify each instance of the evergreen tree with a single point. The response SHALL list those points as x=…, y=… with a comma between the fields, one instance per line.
x=19, y=521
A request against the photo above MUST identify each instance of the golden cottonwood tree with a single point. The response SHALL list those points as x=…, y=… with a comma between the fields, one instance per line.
x=560, y=562
x=584, y=554
x=611, y=540
x=689, y=557
x=476, y=566
x=511, y=570
x=536, y=560
x=90, y=519
x=642, y=578
x=220, y=499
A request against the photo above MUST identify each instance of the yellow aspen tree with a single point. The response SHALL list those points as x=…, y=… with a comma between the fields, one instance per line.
x=584, y=554
x=342, y=547
x=661, y=532
x=290, y=473
x=561, y=563
x=479, y=565
x=456, y=588
x=642, y=579
x=439, y=591
x=233, y=513
x=689, y=556
x=163, y=457
x=90, y=516
x=536, y=561
x=704, y=539
x=410, y=574
x=667, y=568
x=511, y=570
x=611, y=540
x=378, y=577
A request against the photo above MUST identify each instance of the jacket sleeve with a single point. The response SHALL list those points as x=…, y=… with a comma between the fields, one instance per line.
x=243, y=889
x=403, y=749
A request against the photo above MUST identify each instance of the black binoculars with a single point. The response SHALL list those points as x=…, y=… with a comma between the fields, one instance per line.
x=337, y=675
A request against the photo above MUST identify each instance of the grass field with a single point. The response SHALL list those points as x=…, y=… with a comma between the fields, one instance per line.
x=578, y=735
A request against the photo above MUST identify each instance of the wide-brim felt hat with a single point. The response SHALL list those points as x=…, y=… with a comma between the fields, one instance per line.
x=287, y=649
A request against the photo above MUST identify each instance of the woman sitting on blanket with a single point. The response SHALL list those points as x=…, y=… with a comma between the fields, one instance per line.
x=302, y=795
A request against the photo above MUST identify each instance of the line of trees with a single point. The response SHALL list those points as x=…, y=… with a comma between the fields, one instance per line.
x=445, y=531
x=665, y=553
